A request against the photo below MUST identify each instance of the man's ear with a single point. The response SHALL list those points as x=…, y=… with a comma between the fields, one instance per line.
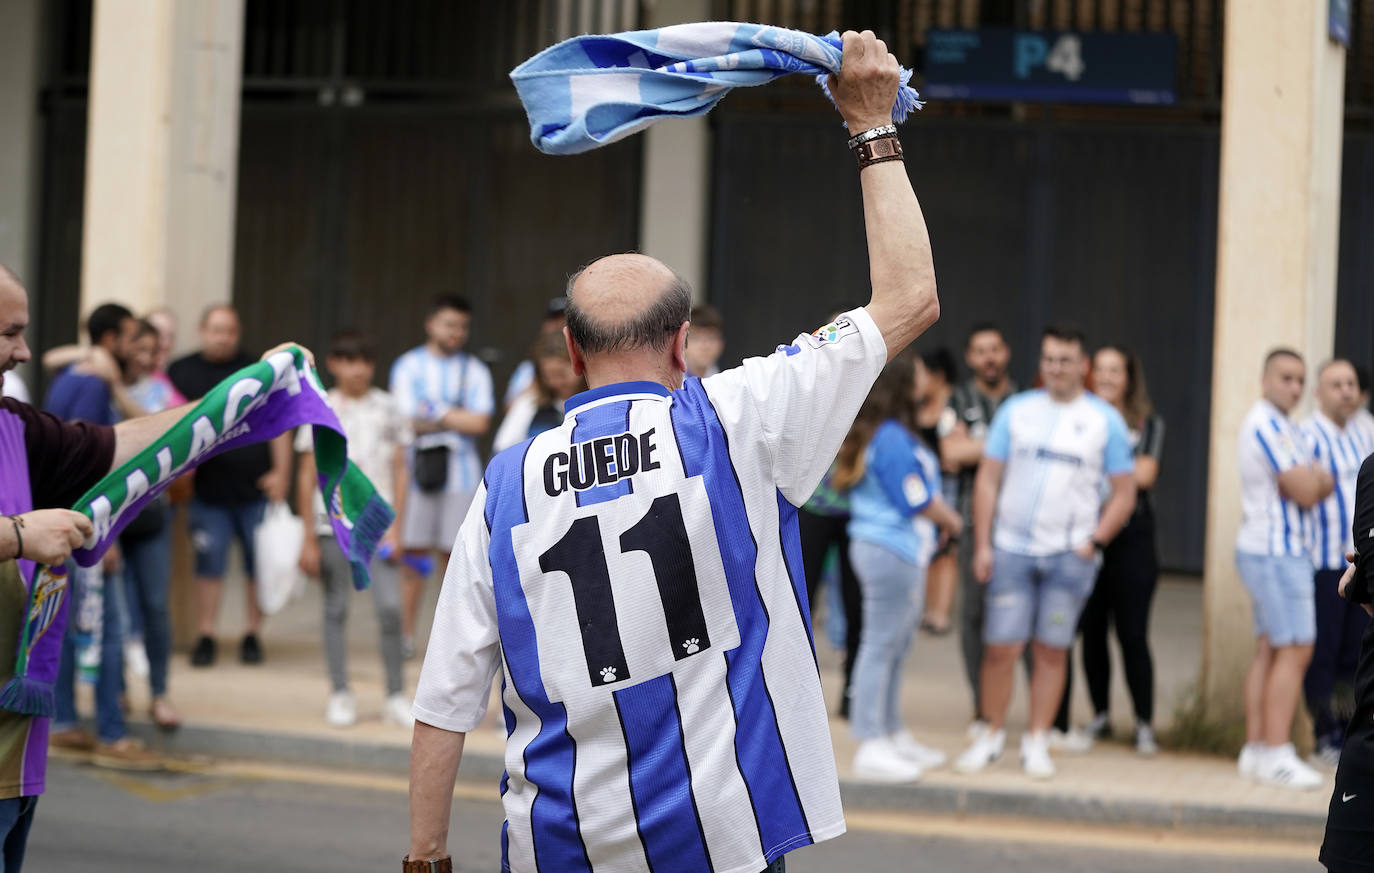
x=680, y=347
x=574, y=354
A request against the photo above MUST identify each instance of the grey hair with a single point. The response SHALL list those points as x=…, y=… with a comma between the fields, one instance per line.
x=652, y=327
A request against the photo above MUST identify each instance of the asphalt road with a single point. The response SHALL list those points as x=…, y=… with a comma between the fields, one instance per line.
x=228, y=819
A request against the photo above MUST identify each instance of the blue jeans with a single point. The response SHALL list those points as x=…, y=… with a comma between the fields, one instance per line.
x=214, y=528
x=109, y=718
x=16, y=816
x=894, y=594
x=147, y=571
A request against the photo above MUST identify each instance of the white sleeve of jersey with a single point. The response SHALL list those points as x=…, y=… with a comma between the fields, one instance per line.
x=804, y=397
x=464, y=648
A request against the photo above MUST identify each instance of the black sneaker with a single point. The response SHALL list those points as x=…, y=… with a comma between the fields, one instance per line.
x=203, y=655
x=250, y=650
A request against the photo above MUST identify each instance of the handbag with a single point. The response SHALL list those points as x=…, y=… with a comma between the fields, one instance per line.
x=431, y=468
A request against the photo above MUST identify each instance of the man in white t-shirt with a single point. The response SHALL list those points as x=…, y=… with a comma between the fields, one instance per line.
x=1040, y=526
x=635, y=574
x=377, y=437
x=1279, y=481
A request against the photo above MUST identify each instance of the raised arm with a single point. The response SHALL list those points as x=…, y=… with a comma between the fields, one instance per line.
x=900, y=268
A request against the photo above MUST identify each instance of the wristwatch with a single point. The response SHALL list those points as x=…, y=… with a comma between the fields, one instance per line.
x=433, y=865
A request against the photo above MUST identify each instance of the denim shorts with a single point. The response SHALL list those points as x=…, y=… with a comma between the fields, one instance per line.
x=1283, y=594
x=1040, y=594
x=214, y=527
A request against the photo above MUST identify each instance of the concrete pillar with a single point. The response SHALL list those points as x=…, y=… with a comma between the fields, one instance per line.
x=20, y=43
x=162, y=155
x=675, y=194
x=1281, y=129
x=161, y=179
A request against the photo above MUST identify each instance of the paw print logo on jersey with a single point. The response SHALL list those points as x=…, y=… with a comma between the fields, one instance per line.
x=608, y=675
x=692, y=646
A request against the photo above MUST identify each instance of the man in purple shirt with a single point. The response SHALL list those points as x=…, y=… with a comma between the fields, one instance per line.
x=45, y=464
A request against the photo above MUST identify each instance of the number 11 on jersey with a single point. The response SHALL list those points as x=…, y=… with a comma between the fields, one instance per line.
x=626, y=586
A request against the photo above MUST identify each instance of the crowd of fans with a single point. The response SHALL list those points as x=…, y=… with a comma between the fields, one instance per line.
x=1021, y=520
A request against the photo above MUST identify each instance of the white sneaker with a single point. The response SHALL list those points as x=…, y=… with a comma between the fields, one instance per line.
x=986, y=748
x=1035, y=756
x=976, y=729
x=1281, y=768
x=342, y=710
x=1145, y=743
x=396, y=711
x=136, y=658
x=1100, y=728
x=924, y=756
x=879, y=761
x=1248, y=763
x=1326, y=757
x=1073, y=740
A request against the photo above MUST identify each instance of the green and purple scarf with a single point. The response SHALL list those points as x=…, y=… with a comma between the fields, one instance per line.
x=252, y=406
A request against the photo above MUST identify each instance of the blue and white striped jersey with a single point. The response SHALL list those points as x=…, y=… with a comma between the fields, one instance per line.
x=1269, y=444
x=636, y=574
x=427, y=385
x=1339, y=451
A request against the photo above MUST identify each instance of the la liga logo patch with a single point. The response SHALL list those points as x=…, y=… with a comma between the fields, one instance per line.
x=832, y=332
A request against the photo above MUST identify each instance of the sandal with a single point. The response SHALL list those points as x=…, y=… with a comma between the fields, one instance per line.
x=164, y=715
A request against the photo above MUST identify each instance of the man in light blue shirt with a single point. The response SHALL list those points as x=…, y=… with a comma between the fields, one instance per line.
x=446, y=393
x=1040, y=525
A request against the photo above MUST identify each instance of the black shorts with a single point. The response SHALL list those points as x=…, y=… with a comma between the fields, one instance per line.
x=1349, y=843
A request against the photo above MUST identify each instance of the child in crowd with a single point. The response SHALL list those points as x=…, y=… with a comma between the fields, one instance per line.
x=377, y=435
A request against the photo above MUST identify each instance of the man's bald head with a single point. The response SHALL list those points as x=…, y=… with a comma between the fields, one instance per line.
x=621, y=303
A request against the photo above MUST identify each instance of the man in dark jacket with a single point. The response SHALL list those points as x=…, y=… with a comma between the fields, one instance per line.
x=1349, y=843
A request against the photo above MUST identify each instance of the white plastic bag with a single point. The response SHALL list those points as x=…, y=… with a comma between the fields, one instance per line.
x=277, y=551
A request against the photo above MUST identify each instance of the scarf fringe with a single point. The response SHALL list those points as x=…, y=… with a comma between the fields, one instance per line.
x=28, y=696
x=368, y=528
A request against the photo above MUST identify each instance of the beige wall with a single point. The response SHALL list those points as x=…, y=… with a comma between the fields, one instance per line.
x=20, y=169
x=675, y=194
x=1276, y=264
x=162, y=155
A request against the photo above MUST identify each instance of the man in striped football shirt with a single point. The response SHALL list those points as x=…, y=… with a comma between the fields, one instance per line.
x=1339, y=446
x=635, y=574
x=1279, y=481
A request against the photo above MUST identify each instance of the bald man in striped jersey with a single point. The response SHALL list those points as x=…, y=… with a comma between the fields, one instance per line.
x=635, y=574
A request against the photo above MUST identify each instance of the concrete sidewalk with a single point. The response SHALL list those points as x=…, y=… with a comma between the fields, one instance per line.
x=275, y=712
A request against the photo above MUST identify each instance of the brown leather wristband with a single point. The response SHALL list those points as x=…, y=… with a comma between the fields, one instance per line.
x=436, y=865
x=877, y=151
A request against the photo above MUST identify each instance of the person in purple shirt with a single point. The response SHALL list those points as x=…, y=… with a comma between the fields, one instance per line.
x=46, y=465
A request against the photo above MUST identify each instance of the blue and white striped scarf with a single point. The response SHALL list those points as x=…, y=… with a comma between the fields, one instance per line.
x=588, y=91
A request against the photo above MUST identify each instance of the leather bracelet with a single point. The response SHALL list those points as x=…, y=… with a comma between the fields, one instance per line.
x=878, y=151
x=18, y=537
x=433, y=865
x=872, y=133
